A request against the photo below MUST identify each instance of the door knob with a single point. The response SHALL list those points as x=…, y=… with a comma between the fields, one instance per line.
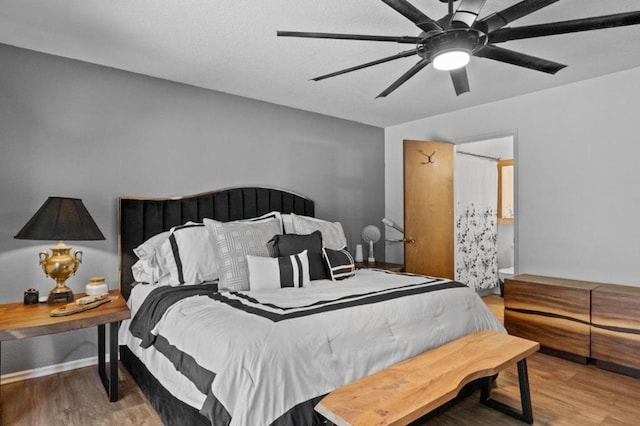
x=409, y=240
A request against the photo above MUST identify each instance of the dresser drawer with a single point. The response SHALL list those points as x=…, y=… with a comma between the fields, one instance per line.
x=616, y=306
x=564, y=298
x=561, y=334
x=615, y=347
x=615, y=319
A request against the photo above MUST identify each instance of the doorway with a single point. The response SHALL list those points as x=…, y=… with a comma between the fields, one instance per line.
x=500, y=149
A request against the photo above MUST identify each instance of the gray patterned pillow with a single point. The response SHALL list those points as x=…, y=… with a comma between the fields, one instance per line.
x=332, y=233
x=232, y=242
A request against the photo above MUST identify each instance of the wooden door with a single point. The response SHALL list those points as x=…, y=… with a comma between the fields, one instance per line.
x=428, y=208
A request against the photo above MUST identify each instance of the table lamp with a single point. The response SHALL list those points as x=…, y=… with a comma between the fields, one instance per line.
x=61, y=219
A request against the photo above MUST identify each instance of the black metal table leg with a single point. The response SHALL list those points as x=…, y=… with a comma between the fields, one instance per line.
x=526, y=415
x=113, y=361
x=110, y=383
x=101, y=356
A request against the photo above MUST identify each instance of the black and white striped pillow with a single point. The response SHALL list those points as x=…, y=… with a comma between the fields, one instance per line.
x=340, y=263
x=285, y=245
x=278, y=272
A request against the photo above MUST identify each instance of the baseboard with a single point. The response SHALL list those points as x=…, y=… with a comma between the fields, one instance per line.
x=49, y=369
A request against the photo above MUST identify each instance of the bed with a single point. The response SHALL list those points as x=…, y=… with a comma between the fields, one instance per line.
x=267, y=356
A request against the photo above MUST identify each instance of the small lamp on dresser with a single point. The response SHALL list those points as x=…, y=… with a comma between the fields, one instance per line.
x=61, y=219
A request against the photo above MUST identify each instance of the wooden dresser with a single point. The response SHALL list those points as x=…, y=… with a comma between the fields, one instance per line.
x=579, y=320
x=553, y=311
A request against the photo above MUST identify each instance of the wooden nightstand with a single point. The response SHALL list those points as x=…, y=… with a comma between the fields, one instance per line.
x=393, y=267
x=19, y=321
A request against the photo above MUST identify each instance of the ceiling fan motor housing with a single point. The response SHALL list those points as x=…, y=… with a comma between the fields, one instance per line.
x=432, y=45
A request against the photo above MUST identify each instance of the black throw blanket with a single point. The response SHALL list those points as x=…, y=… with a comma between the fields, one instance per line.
x=157, y=302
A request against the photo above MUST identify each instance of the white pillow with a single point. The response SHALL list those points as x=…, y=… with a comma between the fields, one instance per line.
x=188, y=254
x=150, y=267
x=332, y=233
x=145, y=274
x=278, y=272
x=287, y=224
x=233, y=242
x=264, y=218
x=147, y=250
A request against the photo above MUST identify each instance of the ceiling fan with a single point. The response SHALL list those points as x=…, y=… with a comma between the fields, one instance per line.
x=449, y=42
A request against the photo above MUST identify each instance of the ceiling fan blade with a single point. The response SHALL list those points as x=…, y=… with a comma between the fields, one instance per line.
x=500, y=19
x=406, y=76
x=398, y=39
x=368, y=64
x=410, y=12
x=467, y=13
x=519, y=59
x=564, y=27
x=460, y=80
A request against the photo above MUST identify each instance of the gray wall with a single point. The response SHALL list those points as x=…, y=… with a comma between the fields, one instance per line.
x=69, y=128
x=577, y=174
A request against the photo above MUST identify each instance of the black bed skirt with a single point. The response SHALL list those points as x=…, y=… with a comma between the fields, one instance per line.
x=171, y=410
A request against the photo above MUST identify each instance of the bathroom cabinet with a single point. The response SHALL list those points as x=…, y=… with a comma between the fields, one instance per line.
x=505, y=191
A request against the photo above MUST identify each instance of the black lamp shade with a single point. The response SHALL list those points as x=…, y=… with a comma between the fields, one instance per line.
x=61, y=219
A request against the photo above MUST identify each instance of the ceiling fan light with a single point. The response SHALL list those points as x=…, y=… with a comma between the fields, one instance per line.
x=451, y=59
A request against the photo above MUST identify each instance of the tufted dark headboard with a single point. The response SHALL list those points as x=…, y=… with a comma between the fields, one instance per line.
x=142, y=218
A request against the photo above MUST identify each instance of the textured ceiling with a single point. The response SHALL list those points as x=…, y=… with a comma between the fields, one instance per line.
x=231, y=46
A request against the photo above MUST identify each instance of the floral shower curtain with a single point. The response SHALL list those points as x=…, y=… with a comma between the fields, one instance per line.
x=476, y=221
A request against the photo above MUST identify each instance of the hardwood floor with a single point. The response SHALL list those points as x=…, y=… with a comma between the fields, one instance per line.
x=75, y=398
x=562, y=393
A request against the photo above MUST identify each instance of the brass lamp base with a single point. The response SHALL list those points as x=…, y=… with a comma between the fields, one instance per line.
x=60, y=296
x=60, y=265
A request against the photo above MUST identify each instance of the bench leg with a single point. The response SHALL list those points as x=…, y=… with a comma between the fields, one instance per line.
x=525, y=396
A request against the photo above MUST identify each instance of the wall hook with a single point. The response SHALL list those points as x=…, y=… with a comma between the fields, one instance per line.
x=429, y=160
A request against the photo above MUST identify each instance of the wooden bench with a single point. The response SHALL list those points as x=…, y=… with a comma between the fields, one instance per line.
x=412, y=388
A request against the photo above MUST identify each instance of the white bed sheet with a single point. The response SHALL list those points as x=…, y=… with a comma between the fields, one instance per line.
x=308, y=356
